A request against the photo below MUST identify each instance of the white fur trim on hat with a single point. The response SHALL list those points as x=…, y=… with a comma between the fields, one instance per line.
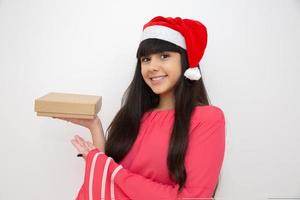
x=164, y=33
x=192, y=73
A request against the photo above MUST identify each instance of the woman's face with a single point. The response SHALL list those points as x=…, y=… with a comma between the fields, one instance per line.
x=161, y=71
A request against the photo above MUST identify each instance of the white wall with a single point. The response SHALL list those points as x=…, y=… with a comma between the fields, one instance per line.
x=250, y=69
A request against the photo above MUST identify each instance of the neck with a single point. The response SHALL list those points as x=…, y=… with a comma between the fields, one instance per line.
x=166, y=101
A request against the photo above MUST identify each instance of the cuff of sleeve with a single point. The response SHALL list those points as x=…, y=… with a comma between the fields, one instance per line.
x=113, y=166
x=91, y=153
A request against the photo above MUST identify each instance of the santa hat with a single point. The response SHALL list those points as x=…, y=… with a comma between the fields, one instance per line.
x=189, y=34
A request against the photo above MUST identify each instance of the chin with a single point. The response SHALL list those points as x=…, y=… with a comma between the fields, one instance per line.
x=157, y=91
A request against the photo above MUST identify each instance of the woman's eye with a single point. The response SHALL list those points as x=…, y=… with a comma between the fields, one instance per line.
x=145, y=59
x=165, y=55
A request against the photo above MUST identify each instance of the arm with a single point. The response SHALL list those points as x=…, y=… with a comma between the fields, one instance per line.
x=98, y=136
x=95, y=127
x=106, y=178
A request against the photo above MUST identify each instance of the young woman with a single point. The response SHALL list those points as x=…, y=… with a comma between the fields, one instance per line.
x=166, y=141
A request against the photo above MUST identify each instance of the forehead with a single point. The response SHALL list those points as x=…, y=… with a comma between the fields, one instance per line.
x=152, y=46
x=161, y=52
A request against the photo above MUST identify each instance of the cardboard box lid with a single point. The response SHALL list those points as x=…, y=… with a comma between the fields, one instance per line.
x=68, y=103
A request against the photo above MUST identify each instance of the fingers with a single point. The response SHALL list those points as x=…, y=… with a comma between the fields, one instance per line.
x=75, y=121
x=80, y=148
x=68, y=119
x=82, y=122
x=90, y=145
x=62, y=118
x=82, y=142
x=81, y=145
x=77, y=146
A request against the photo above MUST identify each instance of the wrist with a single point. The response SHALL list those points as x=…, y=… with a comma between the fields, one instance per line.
x=96, y=125
x=95, y=130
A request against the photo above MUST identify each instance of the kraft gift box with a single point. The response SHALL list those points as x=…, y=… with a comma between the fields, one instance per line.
x=68, y=105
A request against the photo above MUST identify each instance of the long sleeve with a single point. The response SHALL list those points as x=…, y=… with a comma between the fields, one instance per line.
x=105, y=179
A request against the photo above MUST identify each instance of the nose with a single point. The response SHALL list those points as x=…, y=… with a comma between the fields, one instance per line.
x=155, y=64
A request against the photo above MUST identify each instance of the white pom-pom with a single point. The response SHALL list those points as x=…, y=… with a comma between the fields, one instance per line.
x=192, y=73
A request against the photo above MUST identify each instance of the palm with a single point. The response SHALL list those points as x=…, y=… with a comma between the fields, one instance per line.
x=88, y=123
x=82, y=146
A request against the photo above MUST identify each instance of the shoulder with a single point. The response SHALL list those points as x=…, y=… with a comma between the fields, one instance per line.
x=207, y=121
x=207, y=114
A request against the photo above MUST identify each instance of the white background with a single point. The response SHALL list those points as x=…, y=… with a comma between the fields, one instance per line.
x=250, y=69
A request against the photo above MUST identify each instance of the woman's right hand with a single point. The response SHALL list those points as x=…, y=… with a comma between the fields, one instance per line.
x=83, y=147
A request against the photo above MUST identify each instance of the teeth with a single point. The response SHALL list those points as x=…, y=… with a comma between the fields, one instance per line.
x=157, y=78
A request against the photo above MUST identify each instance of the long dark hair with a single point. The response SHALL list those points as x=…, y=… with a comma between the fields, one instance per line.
x=139, y=98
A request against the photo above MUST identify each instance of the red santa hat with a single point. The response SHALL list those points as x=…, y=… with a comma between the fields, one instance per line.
x=189, y=34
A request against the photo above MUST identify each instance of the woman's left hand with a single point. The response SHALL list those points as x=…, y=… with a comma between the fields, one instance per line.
x=82, y=146
x=87, y=123
x=95, y=127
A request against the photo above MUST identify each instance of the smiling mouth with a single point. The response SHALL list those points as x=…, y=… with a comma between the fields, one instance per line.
x=157, y=78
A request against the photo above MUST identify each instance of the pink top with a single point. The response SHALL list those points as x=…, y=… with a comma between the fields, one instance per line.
x=143, y=173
